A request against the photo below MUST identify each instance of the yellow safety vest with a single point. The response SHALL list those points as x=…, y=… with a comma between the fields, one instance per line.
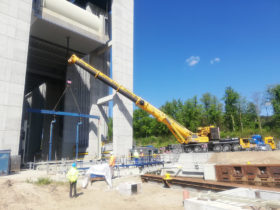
x=72, y=175
x=112, y=160
x=136, y=155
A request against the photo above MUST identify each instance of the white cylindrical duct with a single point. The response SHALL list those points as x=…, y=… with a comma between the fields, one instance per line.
x=73, y=12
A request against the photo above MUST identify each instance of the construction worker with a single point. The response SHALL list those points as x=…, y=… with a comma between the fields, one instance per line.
x=72, y=176
x=154, y=156
x=136, y=156
x=112, y=162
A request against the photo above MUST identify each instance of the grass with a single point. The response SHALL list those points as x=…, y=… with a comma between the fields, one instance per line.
x=29, y=181
x=156, y=141
x=43, y=181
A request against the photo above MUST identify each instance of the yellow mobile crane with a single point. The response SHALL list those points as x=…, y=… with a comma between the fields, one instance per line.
x=191, y=141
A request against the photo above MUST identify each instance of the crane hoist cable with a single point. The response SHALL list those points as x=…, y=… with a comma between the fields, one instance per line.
x=68, y=86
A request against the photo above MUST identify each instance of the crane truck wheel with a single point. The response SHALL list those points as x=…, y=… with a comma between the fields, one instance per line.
x=197, y=149
x=188, y=150
x=217, y=148
x=236, y=147
x=226, y=148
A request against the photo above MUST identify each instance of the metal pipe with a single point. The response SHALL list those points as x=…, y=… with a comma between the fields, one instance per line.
x=50, y=143
x=77, y=138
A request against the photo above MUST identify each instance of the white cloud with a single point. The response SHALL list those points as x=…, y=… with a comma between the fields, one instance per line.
x=215, y=60
x=193, y=60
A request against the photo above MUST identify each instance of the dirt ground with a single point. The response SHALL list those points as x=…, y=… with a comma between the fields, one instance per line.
x=18, y=193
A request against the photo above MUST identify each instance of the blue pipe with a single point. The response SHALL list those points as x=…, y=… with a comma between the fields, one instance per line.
x=77, y=138
x=71, y=114
x=50, y=143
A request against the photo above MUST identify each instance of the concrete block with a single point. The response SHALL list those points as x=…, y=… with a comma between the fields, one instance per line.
x=209, y=172
x=129, y=188
x=239, y=198
x=253, y=194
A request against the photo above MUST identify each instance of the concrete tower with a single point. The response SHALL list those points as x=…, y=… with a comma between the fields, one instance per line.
x=36, y=39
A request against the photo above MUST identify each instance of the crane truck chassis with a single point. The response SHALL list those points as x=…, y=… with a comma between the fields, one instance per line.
x=219, y=145
x=205, y=138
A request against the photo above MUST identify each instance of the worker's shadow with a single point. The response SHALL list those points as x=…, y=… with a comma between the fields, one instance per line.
x=79, y=194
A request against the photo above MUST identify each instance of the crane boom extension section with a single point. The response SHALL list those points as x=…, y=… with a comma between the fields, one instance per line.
x=182, y=134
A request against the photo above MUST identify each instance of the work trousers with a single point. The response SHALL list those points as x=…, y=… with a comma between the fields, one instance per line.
x=73, y=185
x=112, y=171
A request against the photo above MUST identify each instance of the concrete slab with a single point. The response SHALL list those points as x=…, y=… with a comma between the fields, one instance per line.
x=238, y=198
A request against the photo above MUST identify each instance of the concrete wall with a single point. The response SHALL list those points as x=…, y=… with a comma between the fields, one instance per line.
x=80, y=87
x=15, y=18
x=35, y=100
x=122, y=64
x=53, y=92
x=87, y=90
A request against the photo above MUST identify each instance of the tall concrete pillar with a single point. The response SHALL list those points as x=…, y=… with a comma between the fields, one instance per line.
x=122, y=72
x=15, y=18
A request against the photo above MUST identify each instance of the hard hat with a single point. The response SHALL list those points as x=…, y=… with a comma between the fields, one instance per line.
x=74, y=165
x=111, y=153
x=141, y=150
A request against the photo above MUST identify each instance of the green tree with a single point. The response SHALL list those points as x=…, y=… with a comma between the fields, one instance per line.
x=257, y=98
x=242, y=108
x=142, y=123
x=172, y=109
x=231, y=100
x=192, y=114
x=250, y=116
x=212, y=110
x=274, y=97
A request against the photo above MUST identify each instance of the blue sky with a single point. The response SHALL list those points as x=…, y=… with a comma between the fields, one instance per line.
x=185, y=48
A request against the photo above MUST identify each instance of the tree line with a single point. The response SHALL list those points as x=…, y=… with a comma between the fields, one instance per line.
x=234, y=114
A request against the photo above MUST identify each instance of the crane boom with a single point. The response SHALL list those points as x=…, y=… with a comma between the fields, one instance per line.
x=182, y=134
